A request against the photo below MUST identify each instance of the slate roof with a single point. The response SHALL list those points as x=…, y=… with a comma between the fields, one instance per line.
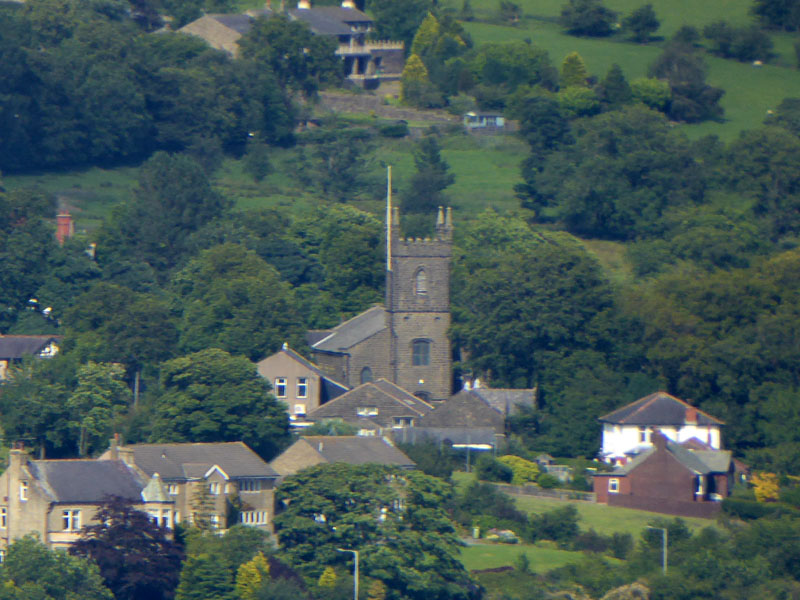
x=323, y=22
x=315, y=369
x=346, y=335
x=190, y=461
x=390, y=400
x=239, y=23
x=485, y=436
x=507, y=401
x=701, y=462
x=356, y=450
x=658, y=409
x=466, y=410
x=17, y=346
x=83, y=480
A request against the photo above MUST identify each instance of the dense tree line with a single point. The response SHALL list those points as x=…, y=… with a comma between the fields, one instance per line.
x=91, y=87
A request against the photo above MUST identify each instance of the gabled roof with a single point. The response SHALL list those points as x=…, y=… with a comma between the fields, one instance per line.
x=17, y=346
x=193, y=461
x=390, y=400
x=299, y=358
x=507, y=401
x=346, y=335
x=700, y=462
x=357, y=450
x=464, y=410
x=86, y=481
x=658, y=409
x=241, y=24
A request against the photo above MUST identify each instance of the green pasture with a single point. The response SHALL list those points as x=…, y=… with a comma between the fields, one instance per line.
x=543, y=557
x=749, y=91
x=602, y=518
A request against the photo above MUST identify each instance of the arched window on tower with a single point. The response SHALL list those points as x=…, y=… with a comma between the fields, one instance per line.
x=420, y=353
x=421, y=283
x=366, y=375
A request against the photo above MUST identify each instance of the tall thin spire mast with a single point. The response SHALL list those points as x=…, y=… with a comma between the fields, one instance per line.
x=389, y=218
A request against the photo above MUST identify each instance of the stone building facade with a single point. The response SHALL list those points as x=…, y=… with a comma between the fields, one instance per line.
x=406, y=340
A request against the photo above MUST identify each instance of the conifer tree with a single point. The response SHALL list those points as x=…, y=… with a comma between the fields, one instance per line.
x=614, y=90
x=251, y=576
x=414, y=80
x=573, y=71
x=328, y=578
x=203, y=577
x=427, y=36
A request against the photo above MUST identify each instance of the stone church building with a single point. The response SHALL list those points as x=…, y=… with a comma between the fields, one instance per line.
x=406, y=340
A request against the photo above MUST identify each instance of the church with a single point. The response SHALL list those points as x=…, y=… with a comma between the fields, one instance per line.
x=405, y=341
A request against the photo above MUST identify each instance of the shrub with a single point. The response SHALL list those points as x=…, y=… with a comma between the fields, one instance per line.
x=524, y=471
x=559, y=525
x=621, y=545
x=653, y=93
x=489, y=469
x=591, y=541
x=547, y=481
x=394, y=130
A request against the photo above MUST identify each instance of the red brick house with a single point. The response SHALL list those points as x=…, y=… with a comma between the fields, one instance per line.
x=669, y=478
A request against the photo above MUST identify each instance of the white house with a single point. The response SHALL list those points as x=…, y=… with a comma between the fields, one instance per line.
x=627, y=431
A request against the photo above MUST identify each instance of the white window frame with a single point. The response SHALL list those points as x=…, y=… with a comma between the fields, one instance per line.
x=215, y=521
x=213, y=488
x=254, y=517
x=172, y=489
x=71, y=519
x=280, y=387
x=367, y=411
x=23, y=491
x=300, y=409
x=302, y=387
x=3, y=517
x=249, y=485
x=613, y=485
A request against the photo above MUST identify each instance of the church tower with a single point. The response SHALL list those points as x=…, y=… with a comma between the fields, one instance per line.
x=418, y=307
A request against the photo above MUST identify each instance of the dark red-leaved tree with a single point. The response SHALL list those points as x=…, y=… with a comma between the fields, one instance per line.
x=137, y=558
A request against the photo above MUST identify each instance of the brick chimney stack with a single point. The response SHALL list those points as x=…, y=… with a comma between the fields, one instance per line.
x=65, y=228
x=691, y=415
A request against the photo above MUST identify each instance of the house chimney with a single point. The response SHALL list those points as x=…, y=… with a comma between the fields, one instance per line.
x=691, y=415
x=113, y=445
x=659, y=440
x=16, y=456
x=65, y=228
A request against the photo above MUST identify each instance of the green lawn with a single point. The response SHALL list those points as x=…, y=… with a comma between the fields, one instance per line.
x=542, y=557
x=600, y=517
x=749, y=91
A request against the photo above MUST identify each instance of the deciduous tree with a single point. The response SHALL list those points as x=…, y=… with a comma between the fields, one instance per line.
x=211, y=396
x=136, y=557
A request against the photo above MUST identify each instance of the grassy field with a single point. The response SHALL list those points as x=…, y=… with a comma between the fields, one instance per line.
x=542, y=557
x=600, y=517
x=749, y=91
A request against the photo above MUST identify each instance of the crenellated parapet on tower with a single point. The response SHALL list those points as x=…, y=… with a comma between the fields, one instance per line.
x=418, y=307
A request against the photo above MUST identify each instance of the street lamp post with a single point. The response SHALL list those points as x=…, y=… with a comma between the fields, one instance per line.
x=355, y=571
x=664, y=538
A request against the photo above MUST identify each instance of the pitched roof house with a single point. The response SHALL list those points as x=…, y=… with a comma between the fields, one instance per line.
x=353, y=450
x=224, y=470
x=628, y=430
x=57, y=498
x=364, y=59
x=14, y=347
x=298, y=383
x=669, y=478
x=374, y=407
